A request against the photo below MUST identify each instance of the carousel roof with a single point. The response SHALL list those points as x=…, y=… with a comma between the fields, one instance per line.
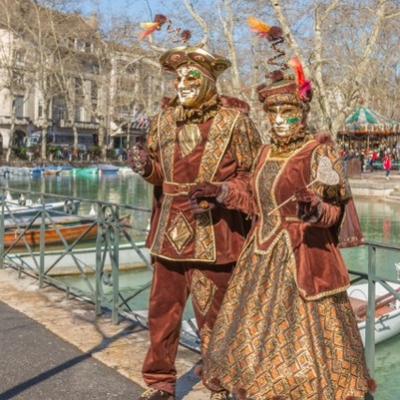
x=365, y=120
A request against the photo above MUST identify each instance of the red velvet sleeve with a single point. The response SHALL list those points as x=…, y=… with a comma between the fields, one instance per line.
x=237, y=195
x=246, y=142
x=330, y=215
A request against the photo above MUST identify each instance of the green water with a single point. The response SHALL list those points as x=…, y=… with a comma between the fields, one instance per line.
x=380, y=221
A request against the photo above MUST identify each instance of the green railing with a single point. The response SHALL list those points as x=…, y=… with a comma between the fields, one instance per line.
x=55, y=244
x=115, y=232
x=379, y=271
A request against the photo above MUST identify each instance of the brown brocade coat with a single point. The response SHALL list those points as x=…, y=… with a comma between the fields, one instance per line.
x=286, y=329
x=226, y=153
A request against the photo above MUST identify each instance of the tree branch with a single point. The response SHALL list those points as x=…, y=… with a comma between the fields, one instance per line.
x=200, y=21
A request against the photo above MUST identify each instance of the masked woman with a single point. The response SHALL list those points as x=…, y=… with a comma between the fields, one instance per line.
x=286, y=329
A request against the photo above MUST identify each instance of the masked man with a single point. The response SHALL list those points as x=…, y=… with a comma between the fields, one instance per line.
x=195, y=144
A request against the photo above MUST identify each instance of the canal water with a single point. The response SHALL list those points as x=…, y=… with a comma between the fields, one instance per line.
x=380, y=221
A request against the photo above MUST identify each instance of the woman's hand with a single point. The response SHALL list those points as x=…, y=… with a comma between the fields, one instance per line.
x=309, y=205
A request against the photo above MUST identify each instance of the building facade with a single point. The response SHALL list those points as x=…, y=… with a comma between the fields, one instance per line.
x=94, y=93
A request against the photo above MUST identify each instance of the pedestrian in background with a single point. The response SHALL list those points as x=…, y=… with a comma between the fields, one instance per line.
x=387, y=164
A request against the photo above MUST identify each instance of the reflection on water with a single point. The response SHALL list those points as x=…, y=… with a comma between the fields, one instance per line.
x=380, y=222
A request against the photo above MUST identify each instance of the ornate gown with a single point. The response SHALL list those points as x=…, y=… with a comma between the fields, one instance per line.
x=286, y=329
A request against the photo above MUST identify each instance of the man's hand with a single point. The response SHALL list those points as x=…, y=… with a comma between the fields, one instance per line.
x=139, y=160
x=308, y=205
x=203, y=197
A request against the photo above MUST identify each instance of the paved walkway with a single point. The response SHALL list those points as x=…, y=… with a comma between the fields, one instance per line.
x=35, y=364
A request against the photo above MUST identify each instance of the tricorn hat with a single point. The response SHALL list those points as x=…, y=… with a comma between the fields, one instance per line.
x=212, y=64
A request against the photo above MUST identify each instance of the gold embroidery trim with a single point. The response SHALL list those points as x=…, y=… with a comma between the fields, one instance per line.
x=218, y=140
x=180, y=233
x=162, y=226
x=268, y=157
x=203, y=291
x=167, y=142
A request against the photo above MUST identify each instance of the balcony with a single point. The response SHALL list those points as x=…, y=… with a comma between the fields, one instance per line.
x=79, y=124
x=6, y=120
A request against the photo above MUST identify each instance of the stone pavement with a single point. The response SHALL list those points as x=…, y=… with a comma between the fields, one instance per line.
x=58, y=350
x=36, y=364
x=375, y=184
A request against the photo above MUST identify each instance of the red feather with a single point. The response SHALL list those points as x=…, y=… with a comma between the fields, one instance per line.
x=305, y=87
x=298, y=68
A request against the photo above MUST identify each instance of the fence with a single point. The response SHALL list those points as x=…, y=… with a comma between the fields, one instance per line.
x=49, y=238
x=98, y=256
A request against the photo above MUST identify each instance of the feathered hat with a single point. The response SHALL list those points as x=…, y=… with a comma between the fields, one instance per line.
x=211, y=64
x=287, y=83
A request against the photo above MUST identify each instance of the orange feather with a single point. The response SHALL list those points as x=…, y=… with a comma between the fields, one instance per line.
x=258, y=26
x=149, y=28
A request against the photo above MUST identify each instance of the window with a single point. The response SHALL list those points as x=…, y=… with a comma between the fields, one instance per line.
x=40, y=110
x=93, y=90
x=18, y=79
x=79, y=114
x=59, y=110
x=19, y=106
x=19, y=56
x=78, y=87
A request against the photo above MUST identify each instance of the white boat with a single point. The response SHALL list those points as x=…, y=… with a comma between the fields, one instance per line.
x=108, y=169
x=129, y=259
x=60, y=207
x=126, y=171
x=387, y=319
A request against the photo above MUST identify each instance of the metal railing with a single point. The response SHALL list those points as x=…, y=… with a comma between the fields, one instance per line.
x=52, y=237
x=107, y=238
x=378, y=272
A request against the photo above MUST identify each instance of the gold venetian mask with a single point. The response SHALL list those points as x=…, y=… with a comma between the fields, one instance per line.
x=193, y=86
x=286, y=120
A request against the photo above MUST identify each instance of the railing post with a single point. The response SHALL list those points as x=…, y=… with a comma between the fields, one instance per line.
x=370, y=324
x=42, y=242
x=99, y=268
x=114, y=253
x=3, y=199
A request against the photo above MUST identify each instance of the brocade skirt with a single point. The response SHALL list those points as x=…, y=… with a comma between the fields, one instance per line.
x=269, y=343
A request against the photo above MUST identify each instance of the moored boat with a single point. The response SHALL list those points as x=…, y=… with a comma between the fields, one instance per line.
x=56, y=231
x=126, y=171
x=16, y=210
x=18, y=237
x=108, y=169
x=387, y=315
x=88, y=172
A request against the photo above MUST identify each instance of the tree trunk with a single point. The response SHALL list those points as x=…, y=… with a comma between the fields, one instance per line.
x=12, y=131
x=44, y=142
x=75, y=132
x=102, y=140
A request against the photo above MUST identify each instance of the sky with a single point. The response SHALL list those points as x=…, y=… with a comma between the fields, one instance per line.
x=142, y=10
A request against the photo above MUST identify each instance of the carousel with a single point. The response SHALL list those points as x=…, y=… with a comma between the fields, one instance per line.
x=367, y=129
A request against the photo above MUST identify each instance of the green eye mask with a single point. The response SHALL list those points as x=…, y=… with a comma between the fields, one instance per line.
x=293, y=121
x=195, y=74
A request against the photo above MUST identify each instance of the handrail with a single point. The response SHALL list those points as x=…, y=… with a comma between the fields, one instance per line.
x=64, y=197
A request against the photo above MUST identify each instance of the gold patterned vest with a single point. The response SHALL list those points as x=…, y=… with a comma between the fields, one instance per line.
x=180, y=236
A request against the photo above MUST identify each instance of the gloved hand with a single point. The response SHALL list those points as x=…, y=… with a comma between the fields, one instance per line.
x=309, y=205
x=140, y=161
x=203, y=197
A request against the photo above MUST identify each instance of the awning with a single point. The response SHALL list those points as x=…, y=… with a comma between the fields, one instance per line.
x=366, y=121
